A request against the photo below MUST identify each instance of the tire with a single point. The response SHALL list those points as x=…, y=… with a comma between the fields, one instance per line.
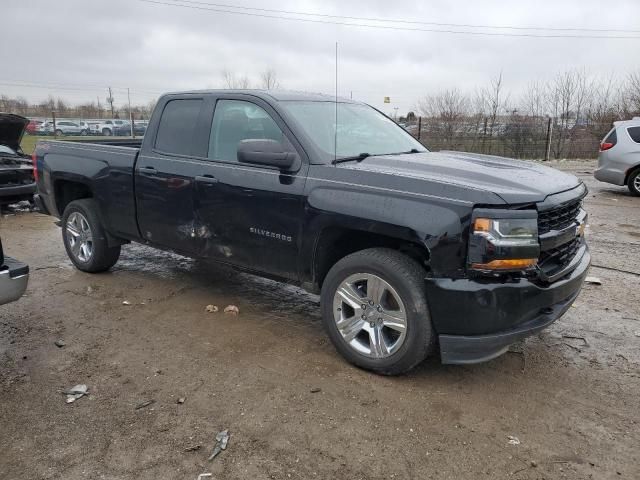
x=634, y=182
x=84, y=133
x=404, y=279
x=59, y=133
x=106, y=132
x=97, y=256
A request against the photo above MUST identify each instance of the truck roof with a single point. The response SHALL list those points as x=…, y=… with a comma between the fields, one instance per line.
x=277, y=95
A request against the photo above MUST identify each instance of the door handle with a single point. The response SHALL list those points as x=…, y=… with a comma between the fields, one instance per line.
x=148, y=170
x=210, y=179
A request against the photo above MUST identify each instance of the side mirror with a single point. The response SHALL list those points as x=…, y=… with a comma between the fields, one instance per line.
x=265, y=152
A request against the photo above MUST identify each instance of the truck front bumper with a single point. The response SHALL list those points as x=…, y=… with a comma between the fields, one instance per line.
x=14, y=276
x=478, y=320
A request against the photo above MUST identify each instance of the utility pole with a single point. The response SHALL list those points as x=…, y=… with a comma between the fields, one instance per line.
x=419, y=127
x=99, y=107
x=110, y=101
x=396, y=113
x=547, y=150
x=133, y=135
x=53, y=115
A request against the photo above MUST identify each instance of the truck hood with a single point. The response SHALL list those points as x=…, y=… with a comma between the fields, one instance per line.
x=11, y=130
x=514, y=181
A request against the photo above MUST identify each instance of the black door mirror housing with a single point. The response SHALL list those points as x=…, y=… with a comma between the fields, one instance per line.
x=265, y=152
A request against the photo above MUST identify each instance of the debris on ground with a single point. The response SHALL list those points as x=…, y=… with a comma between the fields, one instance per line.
x=513, y=440
x=222, y=439
x=203, y=475
x=211, y=308
x=575, y=337
x=145, y=404
x=59, y=343
x=76, y=392
x=637, y=334
x=193, y=448
x=126, y=302
x=316, y=390
x=180, y=401
x=593, y=280
x=232, y=309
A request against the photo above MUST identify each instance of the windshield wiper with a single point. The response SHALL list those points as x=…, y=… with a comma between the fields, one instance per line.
x=357, y=158
x=413, y=150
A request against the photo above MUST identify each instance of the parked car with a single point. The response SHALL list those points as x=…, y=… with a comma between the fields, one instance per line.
x=17, y=182
x=407, y=248
x=107, y=127
x=619, y=157
x=32, y=126
x=84, y=127
x=139, y=129
x=14, y=277
x=44, y=128
x=67, y=127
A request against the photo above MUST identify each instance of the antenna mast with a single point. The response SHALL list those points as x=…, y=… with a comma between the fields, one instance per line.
x=335, y=140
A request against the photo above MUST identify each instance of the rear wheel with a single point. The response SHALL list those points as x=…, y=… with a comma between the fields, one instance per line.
x=84, y=237
x=106, y=132
x=374, y=309
x=634, y=182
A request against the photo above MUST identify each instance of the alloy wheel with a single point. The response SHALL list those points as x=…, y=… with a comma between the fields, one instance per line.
x=79, y=236
x=370, y=315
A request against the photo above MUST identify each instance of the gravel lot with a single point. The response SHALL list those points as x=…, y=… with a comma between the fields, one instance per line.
x=294, y=408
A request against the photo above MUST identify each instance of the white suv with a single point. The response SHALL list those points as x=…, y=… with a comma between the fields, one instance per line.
x=106, y=127
x=619, y=158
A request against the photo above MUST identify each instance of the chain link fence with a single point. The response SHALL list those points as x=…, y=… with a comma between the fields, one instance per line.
x=514, y=136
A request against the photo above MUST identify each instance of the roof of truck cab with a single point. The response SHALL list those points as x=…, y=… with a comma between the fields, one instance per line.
x=277, y=95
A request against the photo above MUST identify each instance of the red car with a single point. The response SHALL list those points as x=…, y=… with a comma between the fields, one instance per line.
x=32, y=126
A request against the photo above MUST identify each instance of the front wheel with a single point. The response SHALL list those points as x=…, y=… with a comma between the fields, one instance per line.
x=374, y=309
x=59, y=133
x=634, y=182
x=106, y=132
x=84, y=237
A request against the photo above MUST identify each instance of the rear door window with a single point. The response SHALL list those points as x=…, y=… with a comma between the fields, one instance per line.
x=634, y=133
x=177, y=126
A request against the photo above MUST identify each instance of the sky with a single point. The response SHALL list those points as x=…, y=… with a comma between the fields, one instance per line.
x=75, y=49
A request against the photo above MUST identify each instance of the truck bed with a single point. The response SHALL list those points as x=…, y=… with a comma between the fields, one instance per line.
x=108, y=165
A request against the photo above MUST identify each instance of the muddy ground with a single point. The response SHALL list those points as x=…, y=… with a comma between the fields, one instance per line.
x=570, y=395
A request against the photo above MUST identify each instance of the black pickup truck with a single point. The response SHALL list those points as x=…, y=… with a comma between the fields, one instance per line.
x=409, y=249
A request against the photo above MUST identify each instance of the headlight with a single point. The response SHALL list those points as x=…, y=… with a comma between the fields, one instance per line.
x=503, y=241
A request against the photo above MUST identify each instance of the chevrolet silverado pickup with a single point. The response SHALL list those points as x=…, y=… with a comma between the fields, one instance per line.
x=408, y=249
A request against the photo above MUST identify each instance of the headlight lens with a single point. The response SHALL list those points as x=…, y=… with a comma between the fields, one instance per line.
x=504, y=240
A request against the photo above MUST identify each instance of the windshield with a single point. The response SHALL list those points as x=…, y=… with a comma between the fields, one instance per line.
x=361, y=129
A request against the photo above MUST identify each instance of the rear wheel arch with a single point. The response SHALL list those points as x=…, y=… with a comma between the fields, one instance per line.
x=66, y=191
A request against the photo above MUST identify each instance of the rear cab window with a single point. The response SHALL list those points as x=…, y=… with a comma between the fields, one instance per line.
x=634, y=133
x=177, y=126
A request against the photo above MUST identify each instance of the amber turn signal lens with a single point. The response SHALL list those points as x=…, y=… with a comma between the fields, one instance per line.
x=482, y=225
x=514, y=264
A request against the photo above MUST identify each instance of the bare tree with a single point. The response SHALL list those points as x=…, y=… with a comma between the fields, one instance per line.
x=632, y=88
x=449, y=109
x=232, y=81
x=269, y=79
x=110, y=101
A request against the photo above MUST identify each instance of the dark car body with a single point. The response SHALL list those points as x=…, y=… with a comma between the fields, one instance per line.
x=293, y=225
x=17, y=182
